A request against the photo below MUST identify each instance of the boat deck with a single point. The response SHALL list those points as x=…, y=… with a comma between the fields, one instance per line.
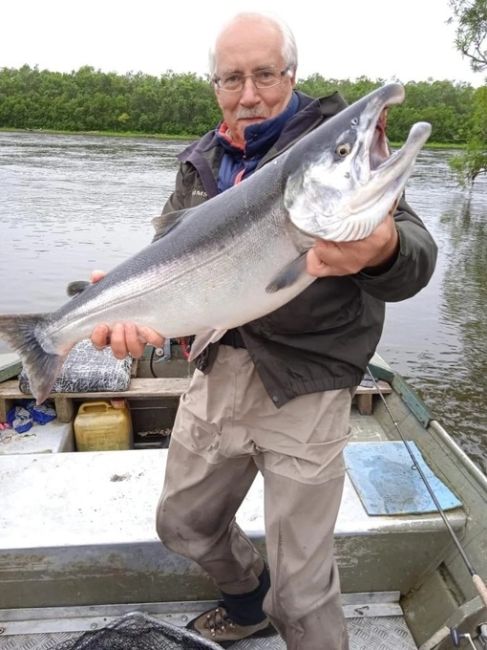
x=84, y=540
x=92, y=516
x=374, y=621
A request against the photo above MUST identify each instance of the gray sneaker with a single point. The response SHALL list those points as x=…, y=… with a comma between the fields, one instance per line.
x=215, y=624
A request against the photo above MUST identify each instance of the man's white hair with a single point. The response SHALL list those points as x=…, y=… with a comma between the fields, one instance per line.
x=289, y=48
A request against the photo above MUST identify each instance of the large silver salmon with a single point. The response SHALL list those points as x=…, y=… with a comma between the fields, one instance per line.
x=240, y=255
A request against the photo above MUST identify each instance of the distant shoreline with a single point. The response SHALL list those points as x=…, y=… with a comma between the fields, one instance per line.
x=188, y=138
x=105, y=134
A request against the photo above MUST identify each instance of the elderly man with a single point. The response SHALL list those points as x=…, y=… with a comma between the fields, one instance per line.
x=274, y=395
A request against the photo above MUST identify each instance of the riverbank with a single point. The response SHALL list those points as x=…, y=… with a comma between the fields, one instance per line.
x=104, y=134
x=183, y=138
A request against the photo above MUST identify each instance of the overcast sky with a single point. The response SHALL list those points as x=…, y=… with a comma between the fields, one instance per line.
x=341, y=39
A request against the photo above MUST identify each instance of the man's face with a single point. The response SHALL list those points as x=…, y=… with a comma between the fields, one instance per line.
x=249, y=47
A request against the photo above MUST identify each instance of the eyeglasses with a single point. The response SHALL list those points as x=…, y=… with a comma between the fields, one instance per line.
x=262, y=79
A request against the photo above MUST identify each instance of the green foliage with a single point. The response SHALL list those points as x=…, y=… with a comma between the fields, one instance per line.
x=184, y=104
x=473, y=161
x=470, y=17
x=479, y=115
x=90, y=100
x=446, y=105
x=470, y=164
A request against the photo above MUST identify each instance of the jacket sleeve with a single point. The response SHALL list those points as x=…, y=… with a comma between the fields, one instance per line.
x=414, y=263
x=177, y=199
x=174, y=207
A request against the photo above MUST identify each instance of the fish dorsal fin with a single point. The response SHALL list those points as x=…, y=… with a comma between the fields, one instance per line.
x=289, y=275
x=76, y=287
x=203, y=340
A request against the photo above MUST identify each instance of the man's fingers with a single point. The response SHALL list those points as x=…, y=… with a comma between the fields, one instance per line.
x=134, y=340
x=97, y=275
x=100, y=337
x=316, y=260
x=125, y=338
x=328, y=258
x=151, y=336
x=118, y=342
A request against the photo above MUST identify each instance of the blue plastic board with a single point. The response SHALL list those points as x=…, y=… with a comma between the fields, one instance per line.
x=387, y=482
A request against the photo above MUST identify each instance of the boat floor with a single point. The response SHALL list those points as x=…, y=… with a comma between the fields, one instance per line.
x=71, y=545
x=371, y=624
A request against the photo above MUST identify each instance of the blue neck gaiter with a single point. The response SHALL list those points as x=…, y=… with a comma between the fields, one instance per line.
x=237, y=163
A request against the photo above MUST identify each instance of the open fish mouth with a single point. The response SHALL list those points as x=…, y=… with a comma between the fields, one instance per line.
x=344, y=191
x=383, y=173
x=377, y=157
x=378, y=175
x=379, y=148
x=373, y=149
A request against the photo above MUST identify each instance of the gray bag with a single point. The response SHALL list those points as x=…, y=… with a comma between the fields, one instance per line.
x=87, y=369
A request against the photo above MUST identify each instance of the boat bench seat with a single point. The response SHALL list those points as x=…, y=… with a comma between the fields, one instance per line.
x=78, y=528
x=143, y=388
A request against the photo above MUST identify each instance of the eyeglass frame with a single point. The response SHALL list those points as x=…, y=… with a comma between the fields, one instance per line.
x=216, y=80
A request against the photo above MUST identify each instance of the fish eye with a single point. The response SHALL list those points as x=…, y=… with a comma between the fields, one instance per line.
x=343, y=149
x=355, y=121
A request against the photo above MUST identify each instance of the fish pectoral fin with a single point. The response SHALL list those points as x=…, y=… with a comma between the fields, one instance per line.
x=203, y=340
x=289, y=275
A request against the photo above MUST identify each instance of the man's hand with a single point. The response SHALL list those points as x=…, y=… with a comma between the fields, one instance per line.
x=328, y=258
x=124, y=338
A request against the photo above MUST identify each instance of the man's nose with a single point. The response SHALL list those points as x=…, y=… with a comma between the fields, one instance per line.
x=250, y=95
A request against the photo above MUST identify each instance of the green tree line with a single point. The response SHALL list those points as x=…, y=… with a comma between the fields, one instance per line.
x=184, y=104
x=470, y=20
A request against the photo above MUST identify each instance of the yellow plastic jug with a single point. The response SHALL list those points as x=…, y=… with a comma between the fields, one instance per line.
x=103, y=426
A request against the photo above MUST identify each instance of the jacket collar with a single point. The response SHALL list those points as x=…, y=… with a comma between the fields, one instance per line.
x=309, y=112
x=205, y=154
x=259, y=138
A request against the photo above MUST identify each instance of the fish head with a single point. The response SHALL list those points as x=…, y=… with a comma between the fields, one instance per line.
x=342, y=179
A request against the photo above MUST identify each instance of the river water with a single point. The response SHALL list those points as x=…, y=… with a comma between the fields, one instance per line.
x=71, y=204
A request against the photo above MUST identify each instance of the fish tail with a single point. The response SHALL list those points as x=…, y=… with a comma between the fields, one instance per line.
x=42, y=368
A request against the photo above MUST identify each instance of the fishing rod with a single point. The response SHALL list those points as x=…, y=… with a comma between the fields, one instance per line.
x=476, y=578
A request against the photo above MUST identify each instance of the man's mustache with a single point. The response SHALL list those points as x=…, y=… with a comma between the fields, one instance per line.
x=249, y=113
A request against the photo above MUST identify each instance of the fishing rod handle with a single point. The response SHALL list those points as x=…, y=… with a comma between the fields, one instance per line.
x=481, y=588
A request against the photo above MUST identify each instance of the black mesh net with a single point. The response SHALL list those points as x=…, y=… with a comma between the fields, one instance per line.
x=138, y=631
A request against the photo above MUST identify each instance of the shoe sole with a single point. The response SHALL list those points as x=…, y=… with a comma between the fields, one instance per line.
x=270, y=630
